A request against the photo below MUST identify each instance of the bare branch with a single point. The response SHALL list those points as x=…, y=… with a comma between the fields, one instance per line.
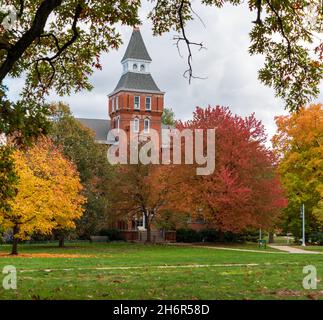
x=188, y=43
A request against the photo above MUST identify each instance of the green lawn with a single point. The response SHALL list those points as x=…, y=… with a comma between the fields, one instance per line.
x=311, y=248
x=134, y=271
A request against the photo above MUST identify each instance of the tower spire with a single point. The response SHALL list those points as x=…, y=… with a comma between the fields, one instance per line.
x=136, y=48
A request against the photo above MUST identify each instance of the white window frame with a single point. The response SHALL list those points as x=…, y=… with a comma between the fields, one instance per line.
x=134, y=103
x=136, y=121
x=112, y=102
x=148, y=98
x=146, y=130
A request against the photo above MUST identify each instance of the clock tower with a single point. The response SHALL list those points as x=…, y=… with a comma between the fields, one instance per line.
x=136, y=103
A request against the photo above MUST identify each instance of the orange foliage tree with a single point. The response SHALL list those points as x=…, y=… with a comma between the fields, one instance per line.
x=139, y=190
x=49, y=193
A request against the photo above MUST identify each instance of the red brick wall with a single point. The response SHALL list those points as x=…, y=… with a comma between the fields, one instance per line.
x=127, y=112
x=126, y=101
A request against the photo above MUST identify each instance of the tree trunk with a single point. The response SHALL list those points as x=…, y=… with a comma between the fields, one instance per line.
x=148, y=240
x=271, y=237
x=221, y=236
x=14, y=250
x=61, y=242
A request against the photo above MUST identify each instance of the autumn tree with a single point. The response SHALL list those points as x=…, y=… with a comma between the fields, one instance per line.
x=298, y=144
x=48, y=196
x=78, y=145
x=55, y=45
x=243, y=191
x=8, y=177
x=139, y=190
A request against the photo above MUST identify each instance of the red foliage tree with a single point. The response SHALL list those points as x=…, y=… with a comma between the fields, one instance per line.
x=244, y=190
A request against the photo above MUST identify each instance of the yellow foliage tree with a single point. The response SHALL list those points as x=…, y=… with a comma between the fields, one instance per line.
x=299, y=145
x=49, y=193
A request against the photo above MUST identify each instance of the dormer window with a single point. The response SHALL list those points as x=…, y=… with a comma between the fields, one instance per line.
x=135, y=66
x=142, y=68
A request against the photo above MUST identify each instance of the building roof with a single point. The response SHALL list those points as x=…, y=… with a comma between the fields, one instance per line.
x=136, y=48
x=101, y=128
x=137, y=82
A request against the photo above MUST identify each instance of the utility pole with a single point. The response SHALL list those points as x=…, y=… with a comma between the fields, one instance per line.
x=303, y=217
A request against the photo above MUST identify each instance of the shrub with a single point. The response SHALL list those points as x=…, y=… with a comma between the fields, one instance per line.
x=213, y=235
x=112, y=234
x=209, y=235
x=187, y=235
x=316, y=238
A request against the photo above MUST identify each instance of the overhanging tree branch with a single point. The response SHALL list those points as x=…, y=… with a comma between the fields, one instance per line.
x=60, y=50
x=37, y=27
x=282, y=29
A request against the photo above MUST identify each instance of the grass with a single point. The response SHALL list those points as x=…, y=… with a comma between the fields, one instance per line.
x=97, y=271
x=244, y=246
x=311, y=248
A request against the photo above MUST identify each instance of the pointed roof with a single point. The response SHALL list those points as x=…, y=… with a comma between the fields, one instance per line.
x=136, y=48
x=137, y=82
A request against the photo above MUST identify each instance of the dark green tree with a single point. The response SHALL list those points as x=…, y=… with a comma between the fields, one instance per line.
x=77, y=143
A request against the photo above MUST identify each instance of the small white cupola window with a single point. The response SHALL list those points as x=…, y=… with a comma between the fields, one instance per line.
x=142, y=68
x=135, y=67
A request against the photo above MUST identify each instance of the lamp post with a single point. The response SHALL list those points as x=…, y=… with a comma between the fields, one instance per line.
x=303, y=224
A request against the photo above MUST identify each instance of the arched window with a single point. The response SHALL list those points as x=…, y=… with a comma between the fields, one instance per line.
x=135, y=66
x=146, y=125
x=136, y=125
x=142, y=68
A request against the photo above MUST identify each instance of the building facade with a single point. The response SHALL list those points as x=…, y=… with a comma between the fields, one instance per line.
x=135, y=104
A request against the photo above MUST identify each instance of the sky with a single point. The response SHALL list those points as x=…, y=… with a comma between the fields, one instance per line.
x=230, y=73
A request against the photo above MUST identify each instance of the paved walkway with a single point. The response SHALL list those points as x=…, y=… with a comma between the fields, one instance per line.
x=222, y=248
x=292, y=249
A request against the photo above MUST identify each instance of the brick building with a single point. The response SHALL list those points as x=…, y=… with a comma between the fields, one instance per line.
x=136, y=104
